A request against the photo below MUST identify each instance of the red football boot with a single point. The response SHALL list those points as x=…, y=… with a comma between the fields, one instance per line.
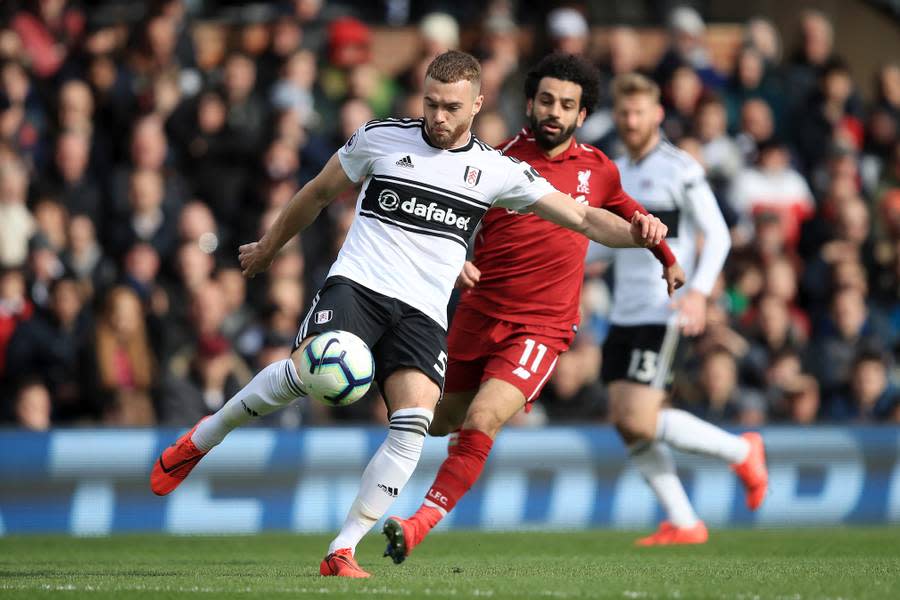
x=669, y=535
x=753, y=472
x=175, y=463
x=341, y=563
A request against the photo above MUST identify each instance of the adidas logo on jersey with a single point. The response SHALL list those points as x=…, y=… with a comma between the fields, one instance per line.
x=432, y=212
x=390, y=491
x=406, y=161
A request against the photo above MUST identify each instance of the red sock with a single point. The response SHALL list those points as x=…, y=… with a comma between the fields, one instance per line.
x=457, y=474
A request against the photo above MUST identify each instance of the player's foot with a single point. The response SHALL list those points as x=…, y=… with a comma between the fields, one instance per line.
x=753, y=472
x=402, y=536
x=341, y=563
x=669, y=535
x=175, y=463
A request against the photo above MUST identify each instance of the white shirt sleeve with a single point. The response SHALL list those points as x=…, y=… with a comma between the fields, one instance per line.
x=357, y=156
x=523, y=187
x=701, y=206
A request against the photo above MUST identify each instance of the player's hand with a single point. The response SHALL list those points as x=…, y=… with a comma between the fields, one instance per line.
x=468, y=277
x=254, y=259
x=646, y=230
x=674, y=276
x=691, y=308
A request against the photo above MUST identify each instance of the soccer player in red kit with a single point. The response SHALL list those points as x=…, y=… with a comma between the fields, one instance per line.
x=520, y=308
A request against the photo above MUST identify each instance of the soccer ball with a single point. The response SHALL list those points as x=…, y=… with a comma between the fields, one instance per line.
x=337, y=368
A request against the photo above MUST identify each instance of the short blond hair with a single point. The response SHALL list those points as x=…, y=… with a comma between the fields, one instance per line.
x=632, y=84
x=453, y=66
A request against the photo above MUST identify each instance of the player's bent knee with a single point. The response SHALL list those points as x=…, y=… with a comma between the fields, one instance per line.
x=634, y=429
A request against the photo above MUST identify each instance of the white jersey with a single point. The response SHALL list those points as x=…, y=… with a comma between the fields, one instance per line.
x=418, y=208
x=672, y=186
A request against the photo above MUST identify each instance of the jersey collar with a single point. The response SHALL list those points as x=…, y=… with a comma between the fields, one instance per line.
x=465, y=147
x=573, y=151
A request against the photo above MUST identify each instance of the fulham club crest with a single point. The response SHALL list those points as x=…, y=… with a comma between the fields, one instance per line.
x=472, y=176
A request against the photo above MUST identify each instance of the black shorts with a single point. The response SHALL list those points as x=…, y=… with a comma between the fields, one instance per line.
x=641, y=354
x=399, y=335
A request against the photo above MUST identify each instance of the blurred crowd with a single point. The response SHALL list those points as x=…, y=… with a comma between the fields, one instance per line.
x=139, y=148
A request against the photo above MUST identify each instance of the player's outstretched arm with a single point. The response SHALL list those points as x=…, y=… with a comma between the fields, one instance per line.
x=602, y=226
x=297, y=215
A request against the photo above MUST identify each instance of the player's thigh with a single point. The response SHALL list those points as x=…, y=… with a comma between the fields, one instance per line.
x=634, y=408
x=342, y=305
x=524, y=360
x=637, y=363
x=409, y=387
x=496, y=402
x=414, y=344
x=451, y=411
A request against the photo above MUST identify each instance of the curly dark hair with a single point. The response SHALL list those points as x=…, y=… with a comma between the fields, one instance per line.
x=566, y=67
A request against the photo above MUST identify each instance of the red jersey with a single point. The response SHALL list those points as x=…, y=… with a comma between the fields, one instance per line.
x=531, y=269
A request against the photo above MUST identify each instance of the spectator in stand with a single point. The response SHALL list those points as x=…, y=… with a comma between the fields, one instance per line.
x=681, y=99
x=294, y=89
x=23, y=119
x=149, y=220
x=830, y=116
x=760, y=33
x=125, y=366
x=849, y=331
x=868, y=396
x=52, y=221
x=687, y=48
x=816, y=48
x=85, y=259
x=148, y=150
x=772, y=186
x=52, y=346
x=568, y=31
x=49, y=30
x=720, y=152
x=70, y=180
x=212, y=376
x=757, y=126
x=719, y=395
x=752, y=80
x=15, y=307
x=286, y=40
x=16, y=222
x=32, y=407
x=771, y=332
x=43, y=268
x=246, y=110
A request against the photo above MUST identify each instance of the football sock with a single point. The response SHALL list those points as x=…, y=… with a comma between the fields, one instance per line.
x=387, y=473
x=274, y=387
x=685, y=432
x=654, y=460
x=458, y=473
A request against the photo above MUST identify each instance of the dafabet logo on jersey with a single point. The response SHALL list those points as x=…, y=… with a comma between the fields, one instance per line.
x=389, y=201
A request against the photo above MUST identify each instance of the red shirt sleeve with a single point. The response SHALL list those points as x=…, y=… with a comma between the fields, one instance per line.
x=619, y=202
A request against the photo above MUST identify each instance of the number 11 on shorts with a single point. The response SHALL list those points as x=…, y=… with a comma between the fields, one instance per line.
x=523, y=370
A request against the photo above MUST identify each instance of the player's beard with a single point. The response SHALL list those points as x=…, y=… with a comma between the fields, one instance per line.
x=550, y=141
x=637, y=140
x=446, y=138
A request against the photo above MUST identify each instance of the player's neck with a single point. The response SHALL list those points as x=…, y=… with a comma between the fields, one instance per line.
x=557, y=150
x=636, y=154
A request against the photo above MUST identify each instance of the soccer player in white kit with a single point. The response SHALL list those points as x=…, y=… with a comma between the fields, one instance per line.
x=638, y=352
x=426, y=183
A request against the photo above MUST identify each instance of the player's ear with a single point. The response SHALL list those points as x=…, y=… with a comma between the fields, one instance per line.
x=529, y=106
x=582, y=115
x=476, y=106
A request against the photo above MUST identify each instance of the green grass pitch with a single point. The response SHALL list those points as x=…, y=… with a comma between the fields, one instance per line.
x=742, y=564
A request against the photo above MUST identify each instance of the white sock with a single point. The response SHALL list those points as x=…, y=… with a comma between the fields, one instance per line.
x=683, y=431
x=274, y=387
x=387, y=473
x=654, y=461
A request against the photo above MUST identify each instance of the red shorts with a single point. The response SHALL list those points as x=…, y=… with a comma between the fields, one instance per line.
x=483, y=347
